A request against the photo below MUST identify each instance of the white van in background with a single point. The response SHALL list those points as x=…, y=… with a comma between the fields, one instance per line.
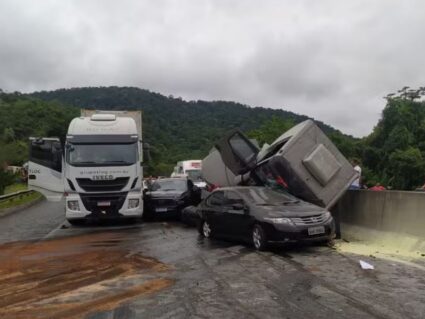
x=191, y=169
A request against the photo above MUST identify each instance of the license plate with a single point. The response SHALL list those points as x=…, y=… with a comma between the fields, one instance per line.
x=103, y=203
x=161, y=209
x=316, y=230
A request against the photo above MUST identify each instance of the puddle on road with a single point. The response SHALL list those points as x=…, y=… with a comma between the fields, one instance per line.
x=75, y=276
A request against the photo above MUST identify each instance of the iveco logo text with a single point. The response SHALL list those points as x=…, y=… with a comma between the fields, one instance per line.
x=102, y=177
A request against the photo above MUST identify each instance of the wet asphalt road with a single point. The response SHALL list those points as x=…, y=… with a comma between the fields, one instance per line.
x=165, y=270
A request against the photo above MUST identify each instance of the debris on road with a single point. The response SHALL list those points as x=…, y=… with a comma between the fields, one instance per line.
x=366, y=265
x=75, y=276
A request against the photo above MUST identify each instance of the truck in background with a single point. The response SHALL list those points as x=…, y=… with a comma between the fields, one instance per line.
x=192, y=169
x=97, y=167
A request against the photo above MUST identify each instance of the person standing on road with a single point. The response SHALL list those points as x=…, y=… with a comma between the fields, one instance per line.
x=356, y=184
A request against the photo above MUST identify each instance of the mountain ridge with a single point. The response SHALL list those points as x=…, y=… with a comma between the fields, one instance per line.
x=176, y=129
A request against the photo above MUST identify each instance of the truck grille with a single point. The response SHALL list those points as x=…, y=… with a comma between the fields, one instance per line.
x=309, y=220
x=102, y=186
x=115, y=200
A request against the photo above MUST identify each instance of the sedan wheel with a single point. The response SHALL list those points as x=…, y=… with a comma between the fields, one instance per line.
x=259, y=238
x=206, y=229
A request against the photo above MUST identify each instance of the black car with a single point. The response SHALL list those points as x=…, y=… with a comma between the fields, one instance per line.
x=168, y=196
x=261, y=216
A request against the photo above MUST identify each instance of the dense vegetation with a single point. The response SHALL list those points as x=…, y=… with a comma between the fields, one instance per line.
x=23, y=116
x=174, y=128
x=393, y=154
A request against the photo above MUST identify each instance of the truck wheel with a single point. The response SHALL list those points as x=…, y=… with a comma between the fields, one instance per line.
x=259, y=238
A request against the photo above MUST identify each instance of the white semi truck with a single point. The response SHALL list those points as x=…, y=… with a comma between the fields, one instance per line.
x=97, y=168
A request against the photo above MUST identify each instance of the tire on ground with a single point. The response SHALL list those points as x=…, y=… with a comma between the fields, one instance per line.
x=259, y=237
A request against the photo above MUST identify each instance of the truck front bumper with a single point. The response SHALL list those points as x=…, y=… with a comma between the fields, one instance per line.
x=103, y=206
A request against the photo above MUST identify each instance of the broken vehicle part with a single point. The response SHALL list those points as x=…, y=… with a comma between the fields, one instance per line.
x=303, y=161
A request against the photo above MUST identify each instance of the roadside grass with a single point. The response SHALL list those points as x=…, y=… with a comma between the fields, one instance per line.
x=19, y=200
x=15, y=188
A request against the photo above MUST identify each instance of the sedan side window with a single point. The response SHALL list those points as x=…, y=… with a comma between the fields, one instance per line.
x=216, y=199
x=233, y=198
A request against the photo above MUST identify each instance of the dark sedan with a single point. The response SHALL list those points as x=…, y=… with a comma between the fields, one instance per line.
x=262, y=216
x=168, y=196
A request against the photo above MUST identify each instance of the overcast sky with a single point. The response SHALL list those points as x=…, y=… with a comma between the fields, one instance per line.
x=332, y=60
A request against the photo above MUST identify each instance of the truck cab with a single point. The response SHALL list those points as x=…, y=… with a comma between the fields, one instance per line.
x=97, y=167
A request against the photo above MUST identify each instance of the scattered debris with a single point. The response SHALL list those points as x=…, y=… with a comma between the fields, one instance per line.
x=75, y=276
x=366, y=265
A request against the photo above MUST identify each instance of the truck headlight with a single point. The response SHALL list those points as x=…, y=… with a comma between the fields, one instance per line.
x=73, y=205
x=133, y=203
x=326, y=216
x=279, y=220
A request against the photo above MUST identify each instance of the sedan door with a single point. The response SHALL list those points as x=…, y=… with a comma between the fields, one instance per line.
x=213, y=211
x=237, y=220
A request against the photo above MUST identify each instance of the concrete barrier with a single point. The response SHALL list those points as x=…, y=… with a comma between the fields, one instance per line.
x=389, y=218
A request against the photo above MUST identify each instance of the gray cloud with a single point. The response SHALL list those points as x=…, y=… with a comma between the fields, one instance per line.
x=333, y=60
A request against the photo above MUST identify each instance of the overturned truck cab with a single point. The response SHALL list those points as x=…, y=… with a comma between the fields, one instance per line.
x=303, y=160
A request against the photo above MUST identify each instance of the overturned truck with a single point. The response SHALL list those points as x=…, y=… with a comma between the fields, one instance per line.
x=303, y=160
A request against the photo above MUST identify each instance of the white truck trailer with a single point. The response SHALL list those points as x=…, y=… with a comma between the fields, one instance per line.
x=97, y=168
x=191, y=169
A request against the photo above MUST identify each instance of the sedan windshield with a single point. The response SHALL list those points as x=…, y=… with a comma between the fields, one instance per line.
x=167, y=185
x=266, y=196
x=102, y=154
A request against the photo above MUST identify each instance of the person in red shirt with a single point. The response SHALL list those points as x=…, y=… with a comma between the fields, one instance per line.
x=377, y=188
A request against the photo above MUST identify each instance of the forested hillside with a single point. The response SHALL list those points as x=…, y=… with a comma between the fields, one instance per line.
x=393, y=154
x=175, y=129
x=23, y=116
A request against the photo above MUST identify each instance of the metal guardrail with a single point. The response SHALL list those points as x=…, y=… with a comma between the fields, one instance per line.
x=16, y=194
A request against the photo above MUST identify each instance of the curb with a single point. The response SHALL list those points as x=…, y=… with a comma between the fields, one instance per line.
x=11, y=210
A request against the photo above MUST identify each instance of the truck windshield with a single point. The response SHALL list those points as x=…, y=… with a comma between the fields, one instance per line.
x=194, y=174
x=102, y=154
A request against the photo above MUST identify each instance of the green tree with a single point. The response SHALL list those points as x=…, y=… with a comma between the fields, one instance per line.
x=6, y=179
x=406, y=169
x=9, y=135
x=270, y=130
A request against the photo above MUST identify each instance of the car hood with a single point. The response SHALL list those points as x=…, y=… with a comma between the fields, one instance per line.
x=299, y=209
x=162, y=194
